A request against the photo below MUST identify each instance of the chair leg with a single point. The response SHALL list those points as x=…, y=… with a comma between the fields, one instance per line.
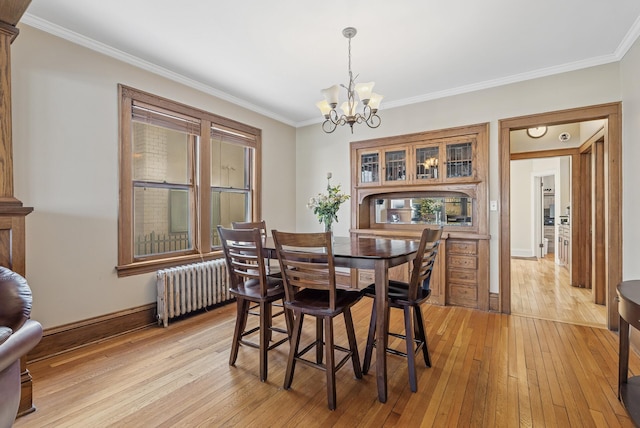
x=411, y=353
x=293, y=350
x=330, y=363
x=242, y=306
x=371, y=337
x=319, y=335
x=265, y=333
x=422, y=335
x=268, y=318
x=288, y=319
x=353, y=344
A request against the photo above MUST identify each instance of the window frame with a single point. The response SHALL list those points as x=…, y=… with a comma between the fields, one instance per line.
x=203, y=249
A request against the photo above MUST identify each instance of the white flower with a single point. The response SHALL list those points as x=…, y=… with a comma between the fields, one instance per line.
x=326, y=206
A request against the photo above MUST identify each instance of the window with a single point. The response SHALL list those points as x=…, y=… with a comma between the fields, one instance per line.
x=183, y=171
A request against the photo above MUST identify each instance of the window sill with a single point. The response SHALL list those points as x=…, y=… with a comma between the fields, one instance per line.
x=137, y=268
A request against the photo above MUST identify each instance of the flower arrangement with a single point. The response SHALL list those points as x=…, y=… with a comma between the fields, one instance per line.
x=326, y=206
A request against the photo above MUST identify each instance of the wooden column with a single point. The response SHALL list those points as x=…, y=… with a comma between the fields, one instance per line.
x=12, y=213
x=7, y=34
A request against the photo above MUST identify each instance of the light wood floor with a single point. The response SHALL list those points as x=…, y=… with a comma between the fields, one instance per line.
x=489, y=370
x=541, y=289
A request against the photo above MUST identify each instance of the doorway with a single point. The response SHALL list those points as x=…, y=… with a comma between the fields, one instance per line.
x=608, y=262
x=542, y=285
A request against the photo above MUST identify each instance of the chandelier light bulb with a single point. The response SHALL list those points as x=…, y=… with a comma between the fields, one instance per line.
x=324, y=107
x=375, y=101
x=364, y=91
x=332, y=95
x=349, y=111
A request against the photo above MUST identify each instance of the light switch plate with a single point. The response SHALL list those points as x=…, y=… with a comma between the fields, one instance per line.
x=493, y=205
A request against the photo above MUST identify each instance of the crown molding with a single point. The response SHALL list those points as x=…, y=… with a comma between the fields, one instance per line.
x=628, y=40
x=515, y=78
x=73, y=37
x=33, y=21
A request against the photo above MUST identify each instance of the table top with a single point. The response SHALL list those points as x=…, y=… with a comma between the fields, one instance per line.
x=630, y=291
x=366, y=248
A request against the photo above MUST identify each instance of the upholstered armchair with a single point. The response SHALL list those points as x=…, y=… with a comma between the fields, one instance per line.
x=18, y=335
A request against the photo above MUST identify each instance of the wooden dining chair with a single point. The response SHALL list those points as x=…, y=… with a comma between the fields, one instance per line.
x=308, y=271
x=262, y=227
x=250, y=284
x=408, y=297
x=271, y=270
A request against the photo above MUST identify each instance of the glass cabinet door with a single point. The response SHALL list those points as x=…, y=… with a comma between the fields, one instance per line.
x=460, y=160
x=426, y=163
x=369, y=167
x=395, y=164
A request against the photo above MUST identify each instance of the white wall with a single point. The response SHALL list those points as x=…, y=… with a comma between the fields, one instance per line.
x=65, y=142
x=319, y=152
x=629, y=71
x=525, y=201
x=522, y=208
x=565, y=187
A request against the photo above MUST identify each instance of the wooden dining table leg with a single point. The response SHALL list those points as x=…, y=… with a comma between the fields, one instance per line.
x=382, y=290
x=623, y=354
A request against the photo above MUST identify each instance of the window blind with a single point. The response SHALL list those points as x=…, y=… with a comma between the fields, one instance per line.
x=229, y=135
x=153, y=115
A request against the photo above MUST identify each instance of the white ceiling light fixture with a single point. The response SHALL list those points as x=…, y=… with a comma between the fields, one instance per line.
x=370, y=100
x=537, y=132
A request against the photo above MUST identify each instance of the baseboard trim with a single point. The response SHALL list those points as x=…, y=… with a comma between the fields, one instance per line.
x=71, y=336
x=522, y=253
x=494, y=302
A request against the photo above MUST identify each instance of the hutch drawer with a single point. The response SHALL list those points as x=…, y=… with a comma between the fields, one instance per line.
x=462, y=272
x=463, y=247
x=462, y=262
x=463, y=295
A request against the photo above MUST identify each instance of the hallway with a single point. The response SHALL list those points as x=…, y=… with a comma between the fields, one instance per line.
x=540, y=289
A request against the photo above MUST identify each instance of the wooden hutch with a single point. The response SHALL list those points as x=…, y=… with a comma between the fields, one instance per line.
x=402, y=184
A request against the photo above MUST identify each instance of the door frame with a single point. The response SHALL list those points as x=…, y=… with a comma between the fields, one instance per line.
x=612, y=112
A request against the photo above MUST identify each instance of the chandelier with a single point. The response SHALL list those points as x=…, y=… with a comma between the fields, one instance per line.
x=370, y=100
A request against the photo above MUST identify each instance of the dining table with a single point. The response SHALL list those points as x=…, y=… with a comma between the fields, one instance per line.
x=379, y=255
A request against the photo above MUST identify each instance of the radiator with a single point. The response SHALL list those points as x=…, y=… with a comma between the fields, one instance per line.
x=185, y=289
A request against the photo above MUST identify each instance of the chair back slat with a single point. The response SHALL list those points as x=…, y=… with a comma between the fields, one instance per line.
x=306, y=261
x=424, y=262
x=244, y=255
x=260, y=225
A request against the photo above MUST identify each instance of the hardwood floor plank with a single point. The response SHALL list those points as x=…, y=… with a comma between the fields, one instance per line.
x=481, y=395
x=513, y=402
x=524, y=399
x=542, y=377
x=450, y=413
x=535, y=400
x=573, y=397
x=545, y=333
x=496, y=396
x=468, y=401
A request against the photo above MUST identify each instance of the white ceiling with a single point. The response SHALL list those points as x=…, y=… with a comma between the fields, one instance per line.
x=274, y=57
